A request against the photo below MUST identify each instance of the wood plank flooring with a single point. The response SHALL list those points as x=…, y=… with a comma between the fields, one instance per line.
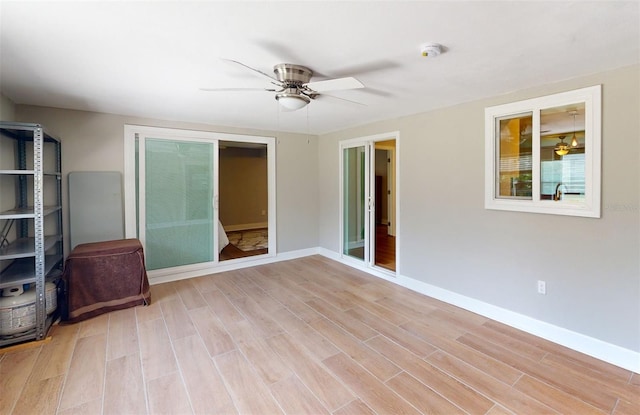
x=306, y=336
x=385, y=255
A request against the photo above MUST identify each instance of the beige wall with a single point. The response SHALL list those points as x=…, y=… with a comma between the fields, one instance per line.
x=447, y=238
x=7, y=184
x=7, y=109
x=95, y=142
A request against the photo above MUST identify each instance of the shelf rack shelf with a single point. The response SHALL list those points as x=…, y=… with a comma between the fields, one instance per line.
x=28, y=212
x=27, y=255
x=22, y=271
x=25, y=247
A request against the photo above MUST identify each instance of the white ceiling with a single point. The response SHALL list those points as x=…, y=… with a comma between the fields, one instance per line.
x=150, y=58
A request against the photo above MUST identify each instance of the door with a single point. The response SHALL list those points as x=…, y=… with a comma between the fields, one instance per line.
x=176, y=204
x=365, y=239
x=355, y=202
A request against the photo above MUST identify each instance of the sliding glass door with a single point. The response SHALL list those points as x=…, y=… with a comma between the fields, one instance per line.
x=178, y=210
x=195, y=198
x=368, y=195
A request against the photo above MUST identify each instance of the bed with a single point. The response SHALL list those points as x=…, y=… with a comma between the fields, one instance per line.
x=223, y=240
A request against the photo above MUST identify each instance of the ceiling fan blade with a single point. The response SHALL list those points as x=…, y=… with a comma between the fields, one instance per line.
x=271, y=78
x=338, y=98
x=237, y=89
x=366, y=67
x=335, y=84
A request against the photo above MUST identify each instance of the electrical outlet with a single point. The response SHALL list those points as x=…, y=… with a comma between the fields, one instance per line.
x=542, y=287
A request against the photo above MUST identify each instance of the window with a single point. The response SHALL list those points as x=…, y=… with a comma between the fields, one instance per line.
x=542, y=155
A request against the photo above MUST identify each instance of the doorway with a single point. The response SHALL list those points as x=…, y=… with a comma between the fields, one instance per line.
x=368, y=200
x=384, y=202
x=243, y=205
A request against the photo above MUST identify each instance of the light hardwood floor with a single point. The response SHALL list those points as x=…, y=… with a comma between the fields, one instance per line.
x=307, y=336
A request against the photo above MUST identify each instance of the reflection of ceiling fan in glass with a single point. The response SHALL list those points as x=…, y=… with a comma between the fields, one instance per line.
x=525, y=133
x=562, y=148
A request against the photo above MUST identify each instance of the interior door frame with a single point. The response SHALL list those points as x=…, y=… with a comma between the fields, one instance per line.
x=369, y=243
x=130, y=198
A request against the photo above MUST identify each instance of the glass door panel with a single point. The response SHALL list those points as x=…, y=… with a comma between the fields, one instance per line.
x=179, y=227
x=354, y=188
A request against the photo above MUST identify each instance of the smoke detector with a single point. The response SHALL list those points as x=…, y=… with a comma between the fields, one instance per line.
x=431, y=50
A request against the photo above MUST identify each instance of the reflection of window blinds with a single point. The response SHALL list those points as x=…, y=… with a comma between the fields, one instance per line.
x=569, y=171
x=520, y=163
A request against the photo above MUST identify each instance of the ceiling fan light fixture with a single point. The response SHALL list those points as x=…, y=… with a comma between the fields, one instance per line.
x=561, y=149
x=292, y=101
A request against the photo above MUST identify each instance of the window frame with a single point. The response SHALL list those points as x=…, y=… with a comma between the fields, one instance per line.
x=591, y=97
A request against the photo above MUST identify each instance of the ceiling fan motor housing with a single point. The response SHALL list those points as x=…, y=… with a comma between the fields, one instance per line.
x=291, y=74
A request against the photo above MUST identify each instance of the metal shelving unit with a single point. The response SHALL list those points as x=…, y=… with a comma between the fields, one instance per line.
x=27, y=255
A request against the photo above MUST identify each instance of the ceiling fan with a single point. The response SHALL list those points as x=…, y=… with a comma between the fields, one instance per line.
x=294, y=89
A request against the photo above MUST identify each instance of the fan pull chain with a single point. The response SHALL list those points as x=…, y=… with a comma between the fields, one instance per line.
x=308, y=124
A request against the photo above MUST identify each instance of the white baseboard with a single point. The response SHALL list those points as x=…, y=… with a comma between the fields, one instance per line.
x=329, y=254
x=610, y=353
x=162, y=276
x=246, y=226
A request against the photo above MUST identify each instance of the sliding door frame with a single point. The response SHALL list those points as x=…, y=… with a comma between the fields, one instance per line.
x=131, y=132
x=369, y=240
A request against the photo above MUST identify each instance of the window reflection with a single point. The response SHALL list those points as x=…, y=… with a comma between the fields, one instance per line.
x=562, y=157
x=515, y=159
